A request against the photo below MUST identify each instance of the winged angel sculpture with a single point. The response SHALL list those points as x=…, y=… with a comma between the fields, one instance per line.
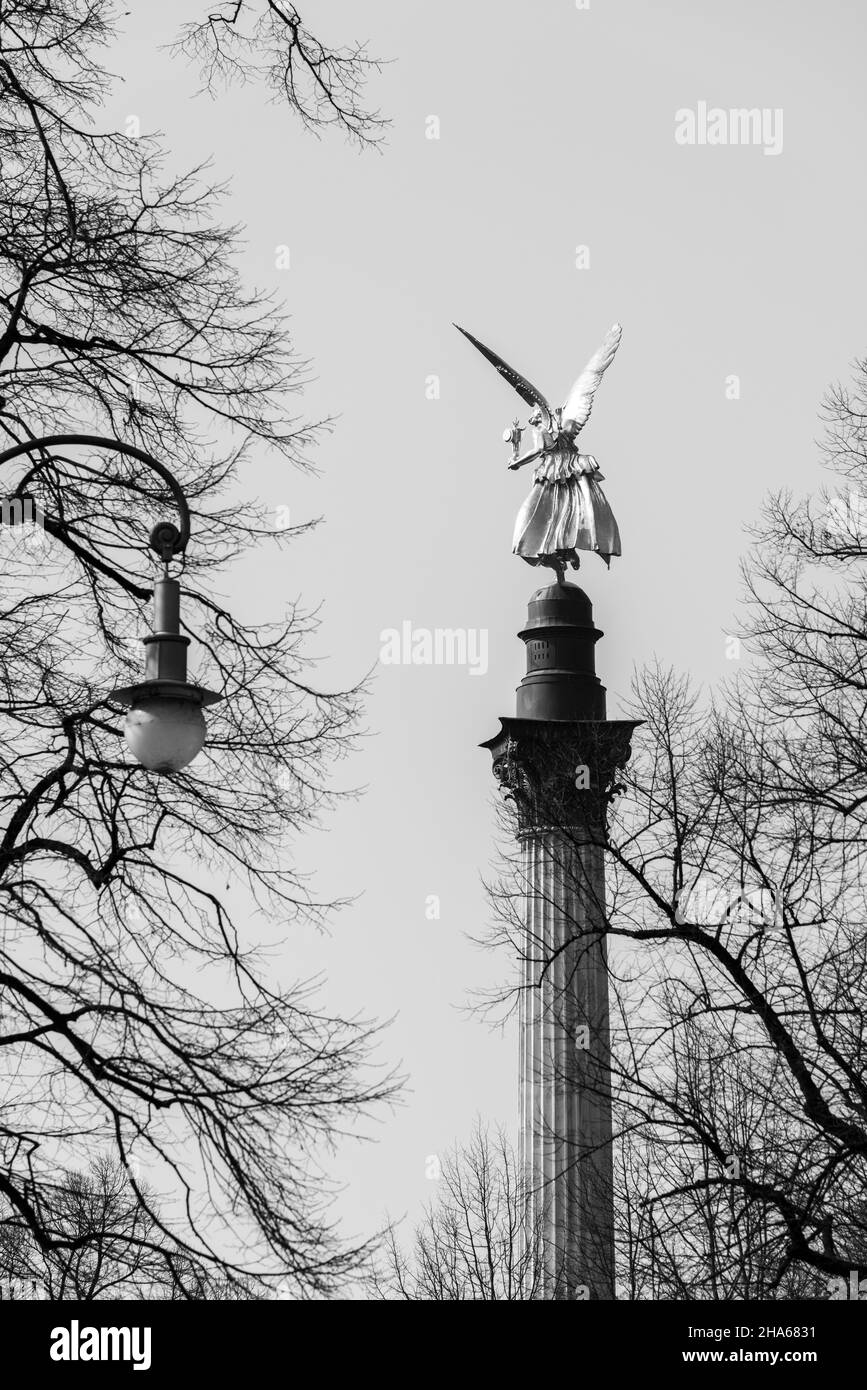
x=566, y=511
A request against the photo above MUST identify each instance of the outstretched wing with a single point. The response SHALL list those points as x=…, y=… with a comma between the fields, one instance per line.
x=579, y=402
x=524, y=388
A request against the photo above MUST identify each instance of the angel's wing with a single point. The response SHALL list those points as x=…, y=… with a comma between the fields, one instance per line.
x=579, y=402
x=524, y=388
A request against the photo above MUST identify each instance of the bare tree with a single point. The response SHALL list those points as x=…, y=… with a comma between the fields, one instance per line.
x=268, y=41
x=477, y=1241
x=116, y=1249
x=681, y=1232
x=134, y=1015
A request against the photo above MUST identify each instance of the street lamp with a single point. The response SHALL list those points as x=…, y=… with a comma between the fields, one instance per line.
x=164, y=727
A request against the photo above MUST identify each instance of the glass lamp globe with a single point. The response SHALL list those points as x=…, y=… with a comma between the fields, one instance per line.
x=163, y=734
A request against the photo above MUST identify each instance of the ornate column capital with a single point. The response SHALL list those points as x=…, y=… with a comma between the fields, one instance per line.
x=560, y=774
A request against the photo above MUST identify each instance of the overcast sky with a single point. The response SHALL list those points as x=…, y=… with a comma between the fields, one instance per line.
x=738, y=277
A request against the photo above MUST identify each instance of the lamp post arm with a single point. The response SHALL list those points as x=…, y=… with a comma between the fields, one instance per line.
x=117, y=446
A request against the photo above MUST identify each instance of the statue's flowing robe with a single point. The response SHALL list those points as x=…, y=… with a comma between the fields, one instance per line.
x=566, y=511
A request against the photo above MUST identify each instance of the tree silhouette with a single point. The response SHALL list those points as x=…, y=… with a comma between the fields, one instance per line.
x=478, y=1241
x=268, y=41
x=137, y=1023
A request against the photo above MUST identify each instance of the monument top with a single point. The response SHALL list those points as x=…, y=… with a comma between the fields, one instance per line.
x=566, y=511
x=561, y=680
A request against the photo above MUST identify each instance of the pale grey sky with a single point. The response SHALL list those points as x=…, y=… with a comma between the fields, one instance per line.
x=556, y=131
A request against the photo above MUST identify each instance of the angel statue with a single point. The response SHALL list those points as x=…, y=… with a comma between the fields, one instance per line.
x=566, y=510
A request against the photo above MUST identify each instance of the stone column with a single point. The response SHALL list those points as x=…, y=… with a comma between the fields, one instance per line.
x=557, y=760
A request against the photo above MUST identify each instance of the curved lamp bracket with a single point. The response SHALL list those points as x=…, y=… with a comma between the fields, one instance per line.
x=166, y=539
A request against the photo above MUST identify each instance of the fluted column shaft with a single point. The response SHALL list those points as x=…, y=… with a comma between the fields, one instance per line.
x=564, y=1091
